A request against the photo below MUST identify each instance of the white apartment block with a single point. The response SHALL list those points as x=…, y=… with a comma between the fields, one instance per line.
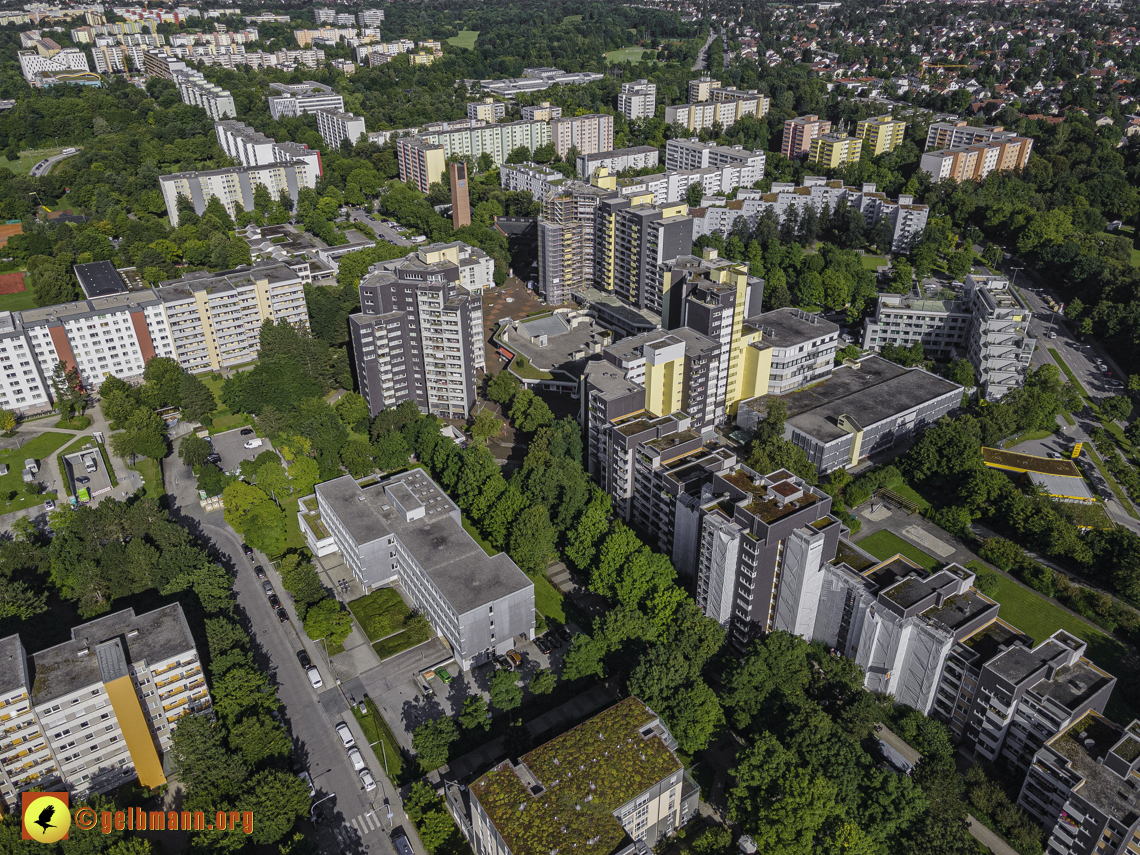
x=103, y=706
x=497, y=140
x=543, y=112
x=536, y=179
x=406, y=531
x=299, y=98
x=68, y=59
x=694, y=154
x=725, y=111
x=942, y=326
x=487, y=110
x=199, y=92
x=336, y=126
x=235, y=185
x=588, y=134
x=370, y=17
x=638, y=100
x=110, y=59
x=324, y=16
x=619, y=160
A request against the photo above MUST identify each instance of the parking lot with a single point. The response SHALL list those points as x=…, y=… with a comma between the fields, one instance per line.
x=99, y=482
x=230, y=446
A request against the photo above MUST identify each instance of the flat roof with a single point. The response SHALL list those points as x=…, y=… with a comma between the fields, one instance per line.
x=872, y=390
x=992, y=638
x=997, y=458
x=1085, y=745
x=60, y=670
x=13, y=665
x=788, y=327
x=99, y=278
x=455, y=563
x=1063, y=486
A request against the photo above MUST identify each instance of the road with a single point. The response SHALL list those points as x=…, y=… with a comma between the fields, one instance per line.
x=381, y=230
x=724, y=42
x=702, y=57
x=351, y=820
x=44, y=166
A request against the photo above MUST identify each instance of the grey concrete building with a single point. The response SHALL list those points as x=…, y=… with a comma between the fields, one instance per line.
x=557, y=345
x=631, y=243
x=803, y=347
x=942, y=326
x=864, y=407
x=999, y=347
x=404, y=529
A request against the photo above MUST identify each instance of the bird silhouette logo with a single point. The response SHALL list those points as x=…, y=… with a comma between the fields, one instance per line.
x=46, y=817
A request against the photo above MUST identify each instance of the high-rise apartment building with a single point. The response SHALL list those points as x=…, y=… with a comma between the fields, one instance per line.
x=693, y=154
x=883, y=133
x=638, y=100
x=632, y=239
x=727, y=107
x=460, y=194
x=421, y=163
x=487, y=110
x=253, y=148
x=961, y=152
x=831, y=151
x=325, y=16
x=195, y=90
x=588, y=134
x=299, y=98
x=110, y=59
x=405, y=529
x=336, y=126
x=370, y=17
x=799, y=133
x=701, y=89
x=102, y=708
x=234, y=185
x=422, y=158
x=419, y=334
x=618, y=160
x=566, y=240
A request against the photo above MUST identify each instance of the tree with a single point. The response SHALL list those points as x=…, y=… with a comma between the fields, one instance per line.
x=193, y=450
x=277, y=799
x=211, y=773
x=432, y=742
x=144, y=435
x=390, y=451
x=7, y=421
x=273, y=479
x=474, y=713
x=543, y=682
x=960, y=371
x=902, y=277
x=694, y=194
x=67, y=390
x=304, y=473
x=197, y=399
x=326, y=620
x=1002, y=553
x=485, y=426
x=585, y=658
x=243, y=690
x=259, y=738
x=1116, y=408
x=505, y=691
x=299, y=577
x=356, y=455
x=532, y=540
x=352, y=409
x=163, y=387
x=503, y=387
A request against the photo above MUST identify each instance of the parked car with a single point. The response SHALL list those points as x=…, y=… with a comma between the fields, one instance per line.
x=399, y=839
x=314, y=677
x=357, y=759
x=363, y=705
x=444, y=675
x=260, y=571
x=502, y=662
x=345, y=735
x=82, y=479
x=366, y=780
x=564, y=634
x=304, y=659
x=49, y=505
x=304, y=776
x=247, y=550
x=543, y=644
x=267, y=586
x=282, y=615
x=274, y=602
x=254, y=443
x=213, y=457
x=247, y=431
x=1054, y=455
x=515, y=659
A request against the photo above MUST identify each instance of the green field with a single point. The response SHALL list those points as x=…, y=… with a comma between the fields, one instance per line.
x=885, y=544
x=28, y=159
x=873, y=262
x=380, y=613
x=398, y=643
x=380, y=737
x=41, y=448
x=571, y=19
x=465, y=39
x=1038, y=618
x=17, y=302
x=151, y=471
x=908, y=492
x=629, y=54
x=548, y=599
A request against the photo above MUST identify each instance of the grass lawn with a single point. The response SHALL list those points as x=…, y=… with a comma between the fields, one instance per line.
x=1064, y=366
x=1028, y=436
x=229, y=422
x=465, y=39
x=294, y=539
x=28, y=159
x=527, y=371
x=885, y=544
x=548, y=599
x=629, y=54
x=76, y=423
x=41, y=448
x=478, y=538
x=570, y=19
x=398, y=643
x=380, y=613
x=1037, y=617
x=380, y=737
x=908, y=492
x=17, y=302
x=873, y=262
x=151, y=471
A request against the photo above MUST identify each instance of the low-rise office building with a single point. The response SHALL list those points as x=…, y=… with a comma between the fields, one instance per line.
x=864, y=407
x=557, y=345
x=942, y=326
x=636, y=789
x=803, y=347
x=99, y=710
x=405, y=530
x=299, y=98
x=60, y=61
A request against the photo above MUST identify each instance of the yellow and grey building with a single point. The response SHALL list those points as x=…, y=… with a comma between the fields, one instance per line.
x=99, y=710
x=832, y=151
x=883, y=133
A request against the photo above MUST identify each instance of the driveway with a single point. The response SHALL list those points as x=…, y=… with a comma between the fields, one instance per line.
x=382, y=230
x=231, y=447
x=98, y=482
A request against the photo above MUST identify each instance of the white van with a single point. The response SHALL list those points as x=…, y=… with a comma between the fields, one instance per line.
x=314, y=676
x=254, y=443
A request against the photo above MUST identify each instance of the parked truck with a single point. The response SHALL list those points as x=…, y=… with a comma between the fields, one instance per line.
x=89, y=462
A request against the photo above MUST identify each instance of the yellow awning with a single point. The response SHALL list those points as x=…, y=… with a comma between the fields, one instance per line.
x=133, y=722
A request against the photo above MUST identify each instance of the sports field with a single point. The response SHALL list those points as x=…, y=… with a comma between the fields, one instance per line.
x=465, y=39
x=629, y=54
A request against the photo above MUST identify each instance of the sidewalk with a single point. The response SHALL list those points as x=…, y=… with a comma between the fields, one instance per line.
x=988, y=839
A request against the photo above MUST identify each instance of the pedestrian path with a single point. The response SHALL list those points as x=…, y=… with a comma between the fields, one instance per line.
x=361, y=826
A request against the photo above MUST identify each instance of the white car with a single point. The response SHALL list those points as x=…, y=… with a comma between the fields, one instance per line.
x=345, y=735
x=49, y=505
x=357, y=759
x=314, y=676
x=366, y=779
x=254, y=443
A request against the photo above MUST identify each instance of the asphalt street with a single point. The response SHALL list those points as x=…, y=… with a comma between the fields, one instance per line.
x=44, y=166
x=381, y=230
x=350, y=820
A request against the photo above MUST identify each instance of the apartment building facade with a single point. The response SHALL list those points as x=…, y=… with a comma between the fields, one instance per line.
x=404, y=530
x=419, y=334
x=487, y=110
x=422, y=158
x=883, y=133
x=195, y=90
x=103, y=706
x=645, y=806
x=632, y=239
x=336, y=126
x=832, y=151
x=253, y=148
x=299, y=98
x=960, y=152
x=234, y=185
x=618, y=160
x=588, y=134
x=690, y=154
x=638, y=100
x=62, y=61
x=802, y=345
x=542, y=112
x=421, y=163
x=799, y=133
x=566, y=240
x=723, y=112
x=941, y=326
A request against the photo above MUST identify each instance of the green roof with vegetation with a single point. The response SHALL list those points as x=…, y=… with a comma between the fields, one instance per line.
x=583, y=776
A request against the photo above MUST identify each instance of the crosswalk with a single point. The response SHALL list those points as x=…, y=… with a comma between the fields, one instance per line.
x=363, y=825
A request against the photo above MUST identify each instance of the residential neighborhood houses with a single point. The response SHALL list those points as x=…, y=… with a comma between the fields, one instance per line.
x=571, y=426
